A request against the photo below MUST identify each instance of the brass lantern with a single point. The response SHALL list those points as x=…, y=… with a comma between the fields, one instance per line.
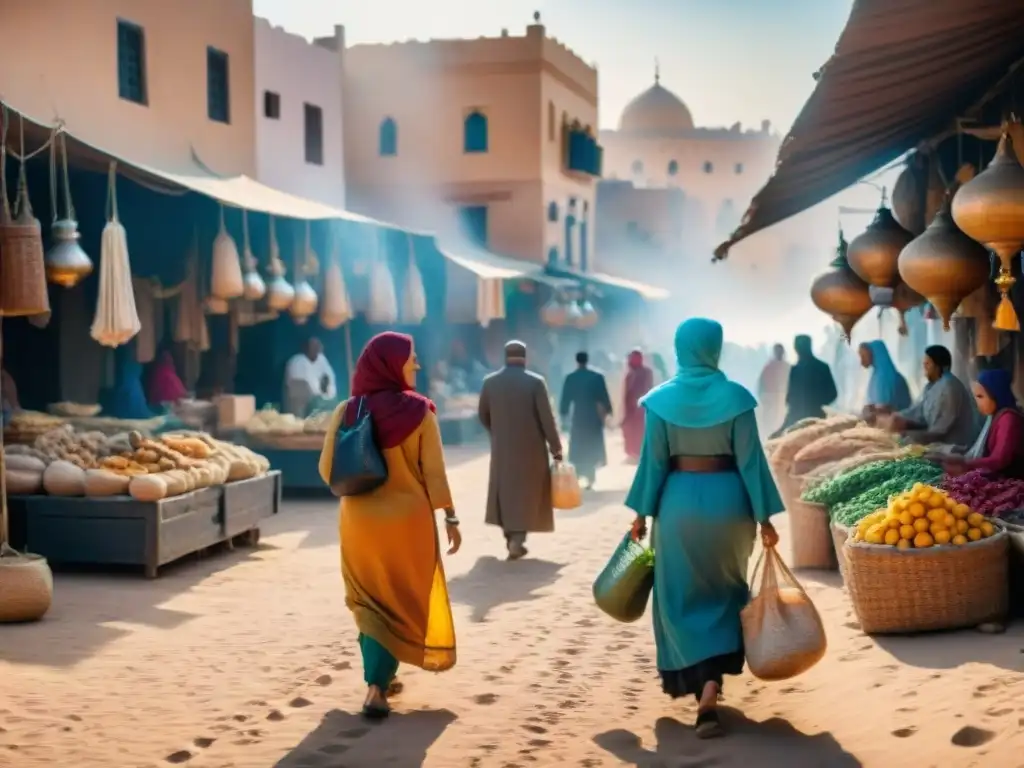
x=990, y=209
x=840, y=293
x=874, y=254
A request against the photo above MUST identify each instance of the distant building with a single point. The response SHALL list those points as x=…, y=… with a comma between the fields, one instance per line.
x=299, y=131
x=153, y=82
x=492, y=140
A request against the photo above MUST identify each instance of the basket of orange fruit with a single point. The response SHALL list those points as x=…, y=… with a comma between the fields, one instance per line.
x=926, y=562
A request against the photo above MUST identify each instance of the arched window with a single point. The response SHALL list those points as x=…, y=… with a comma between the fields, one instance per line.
x=474, y=132
x=387, y=139
x=709, y=167
x=673, y=167
x=552, y=123
x=552, y=211
x=638, y=167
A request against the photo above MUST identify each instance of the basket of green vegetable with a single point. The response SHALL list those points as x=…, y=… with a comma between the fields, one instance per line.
x=623, y=588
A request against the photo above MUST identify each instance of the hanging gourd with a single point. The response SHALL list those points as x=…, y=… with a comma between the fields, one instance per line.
x=22, y=278
x=944, y=265
x=573, y=315
x=383, y=309
x=306, y=263
x=588, y=315
x=226, y=278
x=554, y=313
x=66, y=263
x=254, y=288
x=117, y=320
x=908, y=195
x=840, y=293
x=335, y=309
x=280, y=293
x=990, y=210
x=874, y=254
x=414, y=297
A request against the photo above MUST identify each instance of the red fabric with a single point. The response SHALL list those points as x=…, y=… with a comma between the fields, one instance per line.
x=639, y=380
x=164, y=384
x=396, y=408
x=1004, y=446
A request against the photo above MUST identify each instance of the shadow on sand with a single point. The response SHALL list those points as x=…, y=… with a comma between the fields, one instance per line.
x=935, y=651
x=493, y=582
x=346, y=740
x=770, y=744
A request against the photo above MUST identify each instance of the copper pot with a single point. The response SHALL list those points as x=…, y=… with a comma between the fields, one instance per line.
x=840, y=293
x=874, y=254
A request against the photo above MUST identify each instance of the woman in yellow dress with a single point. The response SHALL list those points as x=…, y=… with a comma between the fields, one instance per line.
x=390, y=554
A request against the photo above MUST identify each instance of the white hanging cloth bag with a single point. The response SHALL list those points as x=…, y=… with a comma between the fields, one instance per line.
x=117, y=320
x=383, y=308
x=226, y=280
x=336, y=308
x=414, y=297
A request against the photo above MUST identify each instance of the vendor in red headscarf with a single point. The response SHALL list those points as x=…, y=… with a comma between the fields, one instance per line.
x=999, y=448
x=164, y=386
x=639, y=380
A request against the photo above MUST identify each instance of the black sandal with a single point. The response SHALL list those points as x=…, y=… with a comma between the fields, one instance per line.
x=708, y=725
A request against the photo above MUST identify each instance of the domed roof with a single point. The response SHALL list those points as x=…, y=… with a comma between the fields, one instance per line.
x=656, y=111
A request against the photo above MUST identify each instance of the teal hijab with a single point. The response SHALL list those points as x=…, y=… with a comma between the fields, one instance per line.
x=699, y=395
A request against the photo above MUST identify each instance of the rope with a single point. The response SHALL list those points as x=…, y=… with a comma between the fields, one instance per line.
x=112, y=191
x=24, y=204
x=5, y=212
x=67, y=179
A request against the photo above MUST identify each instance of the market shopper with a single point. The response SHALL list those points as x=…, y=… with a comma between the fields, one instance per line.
x=811, y=386
x=390, y=554
x=704, y=480
x=515, y=409
x=999, y=448
x=945, y=413
x=771, y=389
x=586, y=405
x=638, y=382
x=887, y=389
x=309, y=380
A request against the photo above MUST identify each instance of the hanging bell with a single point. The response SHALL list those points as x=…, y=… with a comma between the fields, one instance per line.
x=304, y=302
x=553, y=313
x=588, y=315
x=280, y=294
x=66, y=263
x=255, y=288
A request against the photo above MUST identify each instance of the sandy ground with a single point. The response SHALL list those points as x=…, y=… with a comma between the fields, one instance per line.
x=247, y=660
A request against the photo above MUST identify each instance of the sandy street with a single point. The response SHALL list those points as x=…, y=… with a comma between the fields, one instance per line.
x=248, y=660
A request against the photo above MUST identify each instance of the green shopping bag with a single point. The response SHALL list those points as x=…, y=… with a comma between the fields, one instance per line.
x=624, y=586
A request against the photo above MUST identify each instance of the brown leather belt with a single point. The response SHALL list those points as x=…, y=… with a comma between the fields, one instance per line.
x=703, y=464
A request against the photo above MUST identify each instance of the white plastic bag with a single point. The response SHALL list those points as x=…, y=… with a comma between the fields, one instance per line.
x=782, y=632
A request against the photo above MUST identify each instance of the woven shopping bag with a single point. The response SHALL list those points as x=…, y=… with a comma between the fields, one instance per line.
x=783, y=635
x=565, y=486
x=624, y=586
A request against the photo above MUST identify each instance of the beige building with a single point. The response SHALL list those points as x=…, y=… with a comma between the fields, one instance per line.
x=492, y=140
x=153, y=82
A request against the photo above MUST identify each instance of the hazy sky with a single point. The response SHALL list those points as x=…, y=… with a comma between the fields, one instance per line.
x=729, y=60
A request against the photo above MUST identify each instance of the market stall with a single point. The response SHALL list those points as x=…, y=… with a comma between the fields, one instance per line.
x=292, y=446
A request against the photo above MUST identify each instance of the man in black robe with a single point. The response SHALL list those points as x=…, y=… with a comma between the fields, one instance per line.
x=585, y=395
x=811, y=386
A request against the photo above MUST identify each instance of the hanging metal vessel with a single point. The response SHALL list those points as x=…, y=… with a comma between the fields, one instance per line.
x=66, y=263
x=553, y=313
x=573, y=315
x=944, y=265
x=280, y=293
x=840, y=293
x=304, y=303
x=255, y=288
x=990, y=209
x=874, y=254
x=588, y=315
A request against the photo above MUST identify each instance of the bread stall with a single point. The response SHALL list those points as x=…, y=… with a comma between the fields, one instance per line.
x=86, y=498
x=291, y=445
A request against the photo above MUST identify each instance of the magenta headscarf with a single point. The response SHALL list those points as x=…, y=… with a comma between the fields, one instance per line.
x=164, y=384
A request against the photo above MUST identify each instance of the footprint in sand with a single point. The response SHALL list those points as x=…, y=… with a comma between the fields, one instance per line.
x=275, y=716
x=485, y=699
x=904, y=733
x=538, y=729
x=969, y=736
x=324, y=680
x=341, y=665
x=299, y=701
x=203, y=742
x=999, y=712
x=179, y=757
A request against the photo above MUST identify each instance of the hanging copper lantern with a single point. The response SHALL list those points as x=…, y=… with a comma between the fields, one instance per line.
x=874, y=254
x=990, y=209
x=840, y=293
x=944, y=265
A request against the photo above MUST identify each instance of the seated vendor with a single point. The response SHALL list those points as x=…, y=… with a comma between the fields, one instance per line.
x=309, y=381
x=999, y=448
x=164, y=388
x=8, y=395
x=945, y=412
x=887, y=388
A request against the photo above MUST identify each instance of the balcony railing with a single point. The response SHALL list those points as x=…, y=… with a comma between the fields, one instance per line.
x=584, y=154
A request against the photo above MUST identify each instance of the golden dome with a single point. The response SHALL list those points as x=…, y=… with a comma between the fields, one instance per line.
x=656, y=111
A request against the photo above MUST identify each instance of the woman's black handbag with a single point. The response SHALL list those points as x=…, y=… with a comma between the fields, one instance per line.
x=359, y=466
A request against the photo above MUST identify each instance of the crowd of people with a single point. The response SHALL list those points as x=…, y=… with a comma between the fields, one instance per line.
x=702, y=485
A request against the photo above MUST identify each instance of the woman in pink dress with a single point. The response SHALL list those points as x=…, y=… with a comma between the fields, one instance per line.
x=639, y=380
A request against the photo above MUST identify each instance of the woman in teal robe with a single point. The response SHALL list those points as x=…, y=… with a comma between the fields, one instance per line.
x=704, y=480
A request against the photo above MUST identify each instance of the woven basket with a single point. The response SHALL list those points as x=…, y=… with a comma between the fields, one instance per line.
x=839, y=536
x=810, y=536
x=23, y=278
x=26, y=588
x=918, y=590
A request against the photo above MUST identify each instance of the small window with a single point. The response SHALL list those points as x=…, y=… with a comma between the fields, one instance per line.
x=271, y=105
x=638, y=167
x=387, y=141
x=131, y=62
x=314, y=123
x=218, y=86
x=552, y=123
x=552, y=211
x=474, y=135
x=739, y=168
x=709, y=167
x=673, y=167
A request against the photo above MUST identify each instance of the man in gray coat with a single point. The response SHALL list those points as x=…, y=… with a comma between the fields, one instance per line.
x=516, y=410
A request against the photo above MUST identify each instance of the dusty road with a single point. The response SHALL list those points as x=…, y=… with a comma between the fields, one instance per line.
x=247, y=660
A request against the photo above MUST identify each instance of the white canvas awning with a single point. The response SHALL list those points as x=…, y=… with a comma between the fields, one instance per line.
x=650, y=292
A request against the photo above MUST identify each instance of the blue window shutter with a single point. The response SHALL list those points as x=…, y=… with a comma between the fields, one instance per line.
x=570, y=224
x=387, y=139
x=218, y=86
x=131, y=62
x=474, y=133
